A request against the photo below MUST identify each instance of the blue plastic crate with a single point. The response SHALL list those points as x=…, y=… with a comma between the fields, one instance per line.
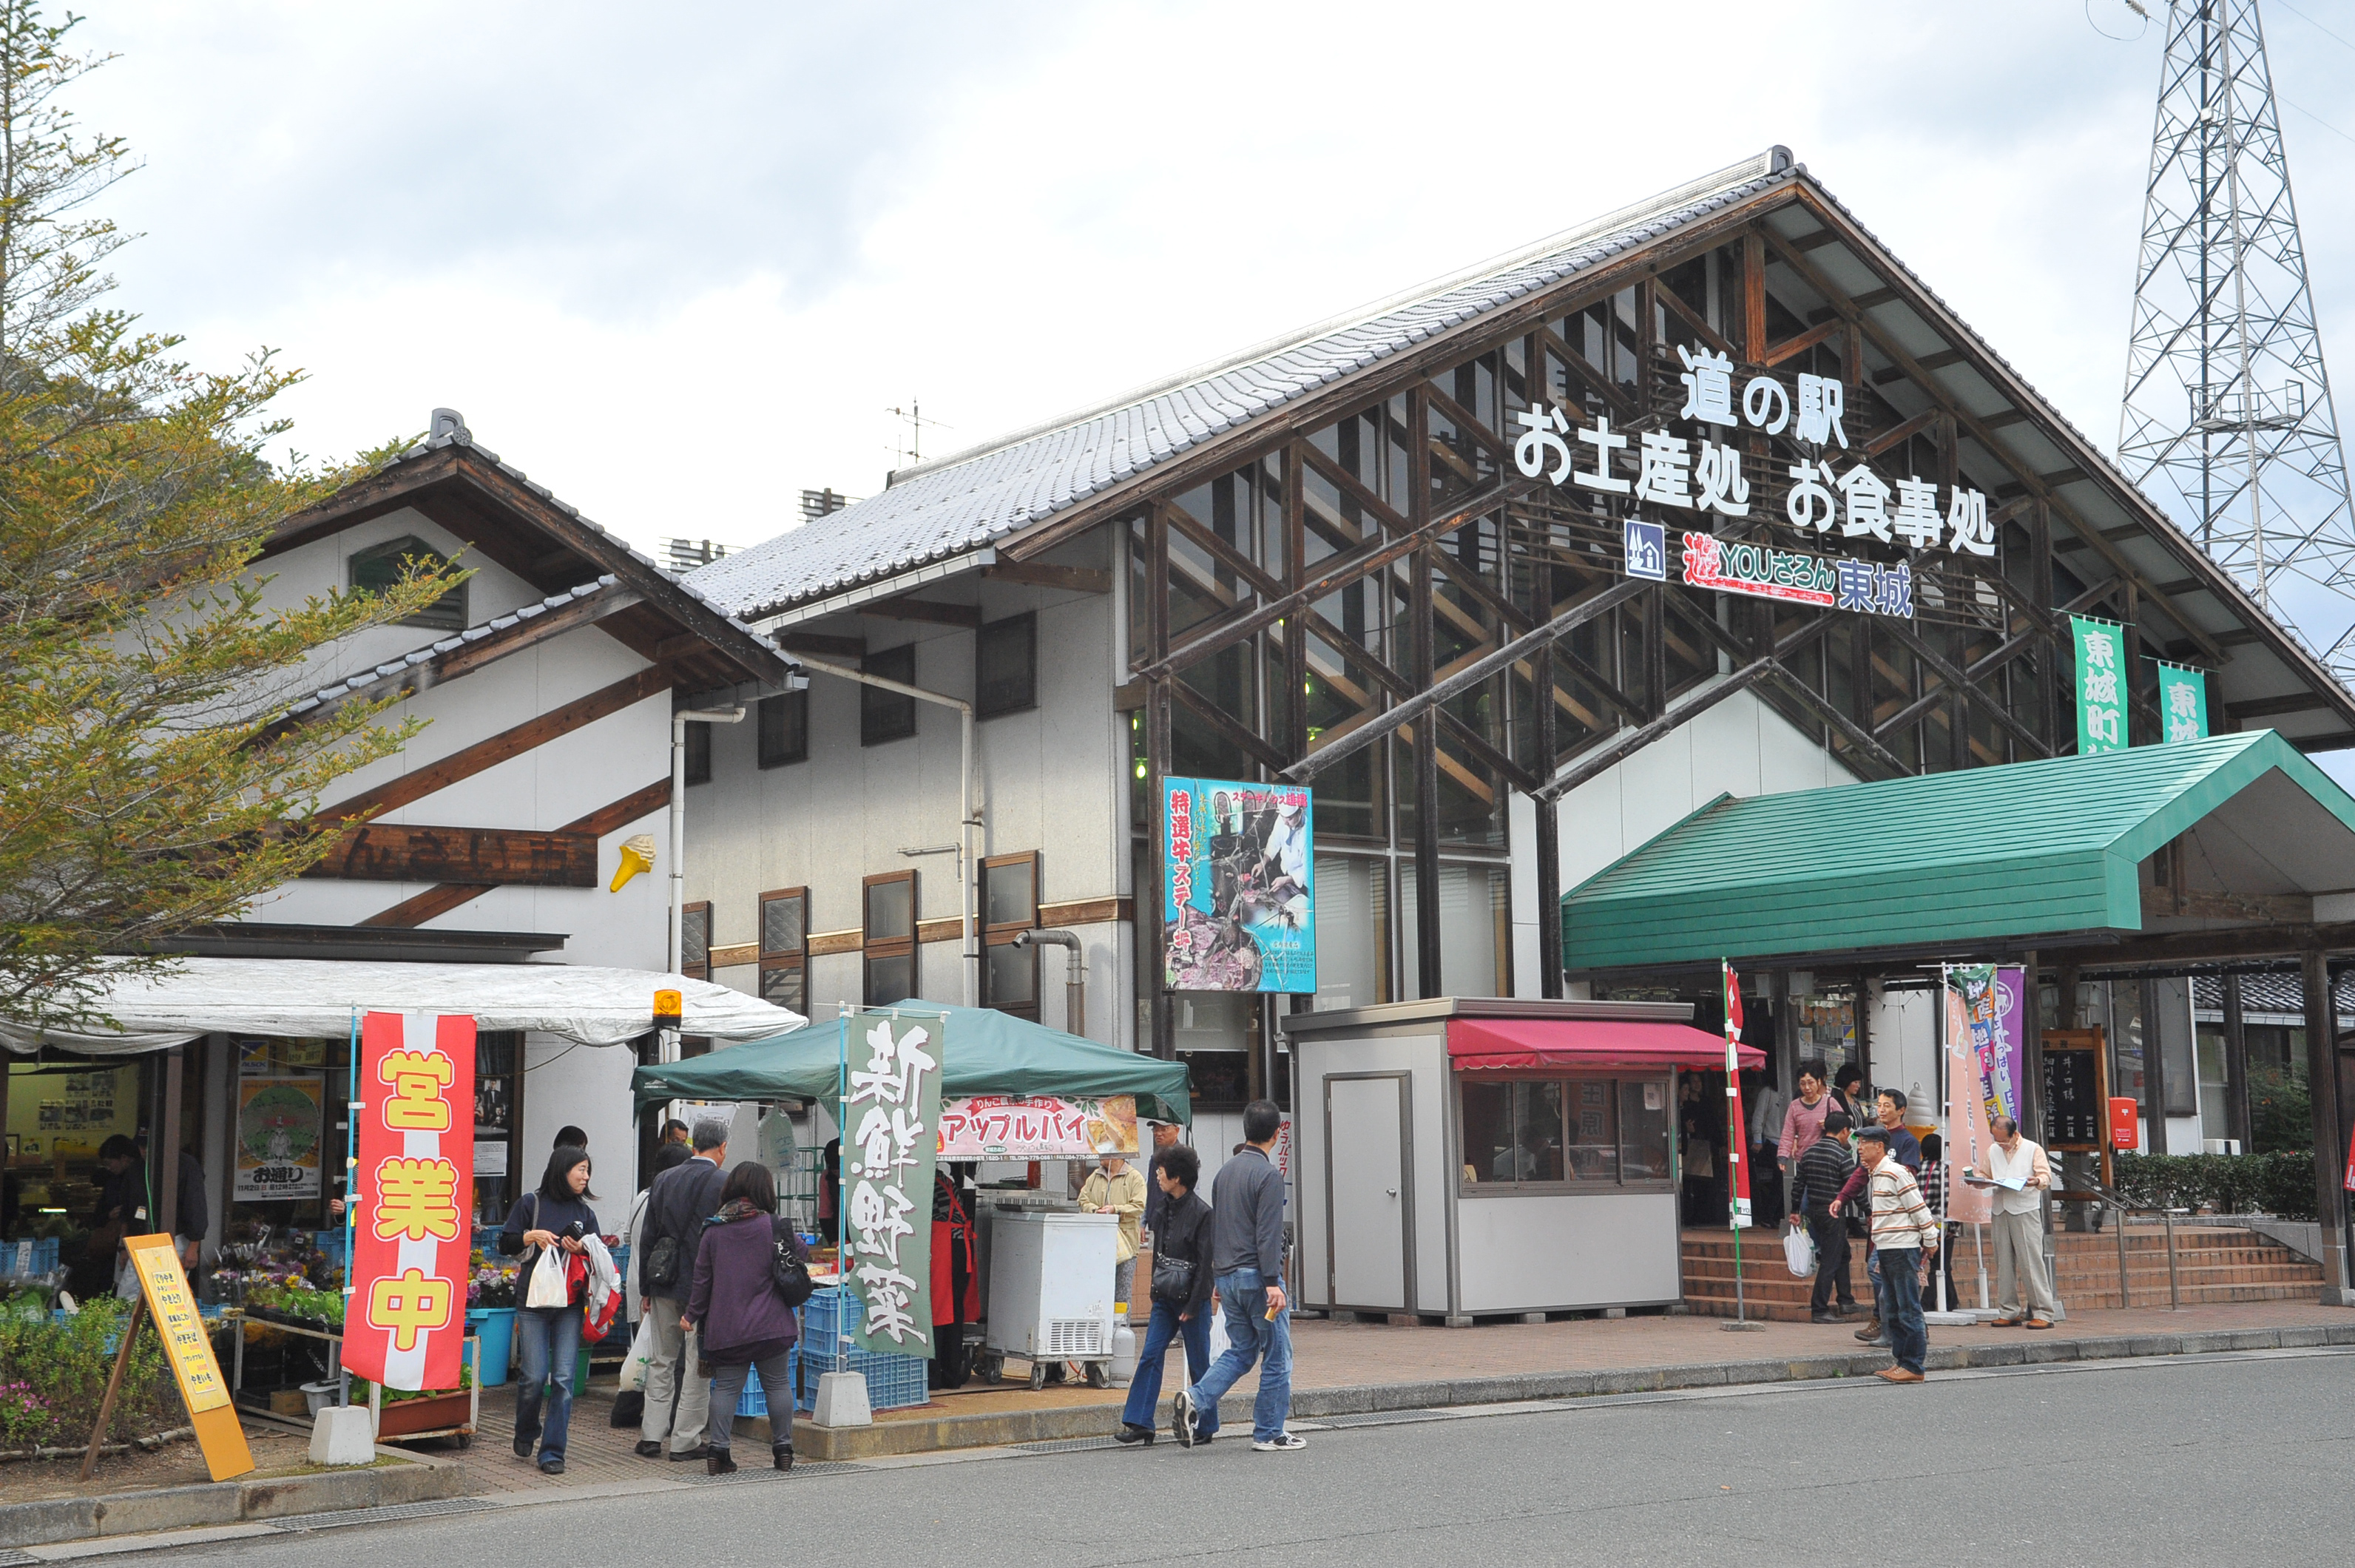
x=28, y=1257
x=620, y=1254
x=336, y=1243
x=893, y=1383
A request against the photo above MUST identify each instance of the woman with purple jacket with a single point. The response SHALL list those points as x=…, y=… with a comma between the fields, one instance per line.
x=740, y=1320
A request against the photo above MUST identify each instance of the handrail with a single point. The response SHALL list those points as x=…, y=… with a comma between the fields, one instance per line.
x=2124, y=1206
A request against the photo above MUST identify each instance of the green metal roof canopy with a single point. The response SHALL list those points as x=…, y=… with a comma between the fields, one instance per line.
x=988, y=1052
x=1980, y=856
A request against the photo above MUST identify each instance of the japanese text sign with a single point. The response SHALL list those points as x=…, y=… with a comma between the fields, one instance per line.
x=173, y=1305
x=414, y=1188
x=891, y=1120
x=1037, y=1126
x=1239, y=887
x=2182, y=702
x=2101, y=686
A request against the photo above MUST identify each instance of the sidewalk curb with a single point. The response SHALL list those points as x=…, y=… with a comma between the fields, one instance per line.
x=49, y=1521
x=1015, y=1427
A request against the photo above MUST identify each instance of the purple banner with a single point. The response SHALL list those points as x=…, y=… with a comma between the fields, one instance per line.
x=2011, y=1029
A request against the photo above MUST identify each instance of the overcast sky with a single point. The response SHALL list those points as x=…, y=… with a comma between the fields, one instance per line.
x=676, y=261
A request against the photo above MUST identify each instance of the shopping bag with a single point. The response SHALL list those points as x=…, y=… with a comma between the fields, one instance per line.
x=1799, y=1252
x=550, y=1286
x=1219, y=1340
x=642, y=1350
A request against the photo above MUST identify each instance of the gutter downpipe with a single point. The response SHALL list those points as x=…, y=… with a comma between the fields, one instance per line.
x=1075, y=973
x=674, y=949
x=969, y=819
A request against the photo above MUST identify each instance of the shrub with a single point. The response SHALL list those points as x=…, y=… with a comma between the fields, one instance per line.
x=64, y=1366
x=2279, y=1184
x=2281, y=1112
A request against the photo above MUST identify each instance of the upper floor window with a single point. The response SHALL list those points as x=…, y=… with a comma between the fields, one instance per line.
x=1010, y=906
x=887, y=715
x=784, y=728
x=784, y=948
x=381, y=566
x=698, y=754
x=887, y=937
x=695, y=941
x=1005, y=666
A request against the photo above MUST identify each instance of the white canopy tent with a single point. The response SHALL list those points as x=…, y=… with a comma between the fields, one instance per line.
x=316, y=998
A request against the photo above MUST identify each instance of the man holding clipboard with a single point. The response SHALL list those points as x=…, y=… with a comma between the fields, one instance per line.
x=2018, y=1176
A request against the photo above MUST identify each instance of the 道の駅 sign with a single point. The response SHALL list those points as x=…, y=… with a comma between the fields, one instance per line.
x=1702, y=475
x=413, y=1189
x=1239, y=887
x=891, y=1113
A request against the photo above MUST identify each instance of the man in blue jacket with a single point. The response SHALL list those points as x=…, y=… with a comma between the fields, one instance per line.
x=1247, y=1258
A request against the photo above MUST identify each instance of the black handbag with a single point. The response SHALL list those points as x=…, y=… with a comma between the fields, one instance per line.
x=1173, y=1280
x=789, y=1275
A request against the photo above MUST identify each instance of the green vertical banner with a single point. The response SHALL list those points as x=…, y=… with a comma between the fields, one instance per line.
x=2101, y=685
x=891, y=1121
x=2182, y=702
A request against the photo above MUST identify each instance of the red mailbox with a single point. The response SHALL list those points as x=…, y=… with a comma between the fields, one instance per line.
x=2126, y=1129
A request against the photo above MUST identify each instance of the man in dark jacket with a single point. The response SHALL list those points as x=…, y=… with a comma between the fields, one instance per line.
x=1247, y=1256
x=678, y=1204
x=1815, y=1180
x=1182, y=1240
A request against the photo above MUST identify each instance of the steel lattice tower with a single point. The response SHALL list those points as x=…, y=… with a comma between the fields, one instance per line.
x=2227, y=419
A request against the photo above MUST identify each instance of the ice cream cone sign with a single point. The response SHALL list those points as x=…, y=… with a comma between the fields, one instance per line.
x=637, y=855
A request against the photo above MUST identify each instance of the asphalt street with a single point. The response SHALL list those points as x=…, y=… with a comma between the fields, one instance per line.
x=2227, y=1459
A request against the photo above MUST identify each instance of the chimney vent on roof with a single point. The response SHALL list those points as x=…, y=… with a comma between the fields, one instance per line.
x=449, y=422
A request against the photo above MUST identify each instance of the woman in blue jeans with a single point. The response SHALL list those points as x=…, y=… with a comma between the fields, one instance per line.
x=1183, y=1236
x=548, y=1339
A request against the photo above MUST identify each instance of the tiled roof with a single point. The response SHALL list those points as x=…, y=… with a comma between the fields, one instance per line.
x=363, y=679
x=977, y=497
x=2278, y=995
x=461, y=437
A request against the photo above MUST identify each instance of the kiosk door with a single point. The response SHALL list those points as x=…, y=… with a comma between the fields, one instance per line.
x=1369, y=1192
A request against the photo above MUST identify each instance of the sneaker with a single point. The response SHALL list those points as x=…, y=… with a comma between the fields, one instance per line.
x=1181, y=1417
x=1870, y=1331
x=1283, y=1443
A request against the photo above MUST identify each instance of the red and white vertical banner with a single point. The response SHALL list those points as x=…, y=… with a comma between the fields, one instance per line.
x=1737, y=1136
x=1968, y=1130
x=414, y=1185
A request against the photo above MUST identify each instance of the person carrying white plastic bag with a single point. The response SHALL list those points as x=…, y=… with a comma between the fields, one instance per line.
x=549, y=1229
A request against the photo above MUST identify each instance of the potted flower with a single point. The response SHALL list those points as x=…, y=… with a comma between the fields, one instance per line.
x=490, y=1313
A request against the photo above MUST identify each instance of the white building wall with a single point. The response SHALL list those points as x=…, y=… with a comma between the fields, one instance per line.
x=1740, y=747
x=1052, y=779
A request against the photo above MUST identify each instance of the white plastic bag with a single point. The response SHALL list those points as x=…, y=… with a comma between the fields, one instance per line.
x=1799, y=1252
x=642, y=1350
x=548, y=1287
x=1219, y=1340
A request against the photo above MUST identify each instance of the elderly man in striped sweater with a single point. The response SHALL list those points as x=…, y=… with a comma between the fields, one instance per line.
x=1904, y=1230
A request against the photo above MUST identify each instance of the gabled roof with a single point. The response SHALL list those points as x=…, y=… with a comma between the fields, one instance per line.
x=526, y=529
x=966, y=502
x=1962, y=859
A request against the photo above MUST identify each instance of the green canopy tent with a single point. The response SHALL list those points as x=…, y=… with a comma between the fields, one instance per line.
x=988, y=1052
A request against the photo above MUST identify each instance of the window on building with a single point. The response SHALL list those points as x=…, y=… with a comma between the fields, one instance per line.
x=1010, y=906
x=695, y=942
x=379, y=567
x=1573, y=1134
x=784, y=728
x=698, y=754
x=888, y=938
x=784, y=948
x=1005, y=666
x=887, y=715
x=498, y=1119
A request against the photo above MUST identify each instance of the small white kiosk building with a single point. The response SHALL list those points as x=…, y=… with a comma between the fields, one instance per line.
x=1466, y=1156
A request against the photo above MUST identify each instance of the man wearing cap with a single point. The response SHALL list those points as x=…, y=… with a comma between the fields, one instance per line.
x=1904, y=1230
x=2018, y=1222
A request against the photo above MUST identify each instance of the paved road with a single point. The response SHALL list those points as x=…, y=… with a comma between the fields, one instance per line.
x=2237, y=1459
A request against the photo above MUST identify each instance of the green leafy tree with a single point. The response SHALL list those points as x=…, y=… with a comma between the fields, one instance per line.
x=143, y=788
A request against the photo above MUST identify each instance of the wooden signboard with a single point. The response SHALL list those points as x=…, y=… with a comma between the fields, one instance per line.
x=2077, y=1095
x=164, y=1293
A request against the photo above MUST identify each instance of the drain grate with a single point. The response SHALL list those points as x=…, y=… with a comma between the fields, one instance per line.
x=12, y=1558
x=300, y=1523
x=1386, y=1417
x=1070, y=1445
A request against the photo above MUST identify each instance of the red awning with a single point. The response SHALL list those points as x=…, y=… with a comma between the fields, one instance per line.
x=1519, y=1045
